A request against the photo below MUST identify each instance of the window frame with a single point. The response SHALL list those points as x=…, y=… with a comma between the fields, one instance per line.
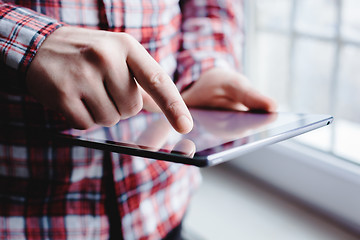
x=339, y=42
x=325, y=182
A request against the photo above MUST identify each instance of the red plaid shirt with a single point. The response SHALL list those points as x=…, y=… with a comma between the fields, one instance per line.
x=52, y=191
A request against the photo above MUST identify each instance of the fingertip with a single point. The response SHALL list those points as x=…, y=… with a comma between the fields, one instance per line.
x=257, y=101
x=269, y=104
x=264, y=104
x=184, y=124
x=272, y=105
x=185, y=146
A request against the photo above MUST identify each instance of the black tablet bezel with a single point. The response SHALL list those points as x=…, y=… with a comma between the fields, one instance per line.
x=211, y=156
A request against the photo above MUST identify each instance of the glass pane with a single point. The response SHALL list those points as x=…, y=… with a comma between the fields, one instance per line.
x=348, y=96
x=317, y=17
x=272, y=65
x=312, y=75
x=302, y=76
x=351, y=20
x=273, y=14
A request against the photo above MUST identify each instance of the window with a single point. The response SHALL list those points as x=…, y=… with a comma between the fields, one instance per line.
x=306, y=55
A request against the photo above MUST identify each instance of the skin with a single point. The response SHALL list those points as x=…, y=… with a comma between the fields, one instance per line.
x=226, y=89
x=90, y=75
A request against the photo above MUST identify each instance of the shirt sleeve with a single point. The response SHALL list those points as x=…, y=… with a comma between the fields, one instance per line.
x=22, y=31
x=212, y=36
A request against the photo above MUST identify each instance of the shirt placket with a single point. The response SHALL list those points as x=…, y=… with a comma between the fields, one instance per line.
x=103, y=15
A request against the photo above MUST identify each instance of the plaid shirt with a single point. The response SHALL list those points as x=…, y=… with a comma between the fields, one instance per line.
x=52, y=191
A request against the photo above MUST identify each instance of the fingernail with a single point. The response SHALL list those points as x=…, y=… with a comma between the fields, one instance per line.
x=185, y=124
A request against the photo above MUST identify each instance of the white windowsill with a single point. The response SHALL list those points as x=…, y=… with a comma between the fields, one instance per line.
x=327, y=184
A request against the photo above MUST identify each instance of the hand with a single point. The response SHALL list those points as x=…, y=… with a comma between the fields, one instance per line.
x=226, y=89
x=93, y=76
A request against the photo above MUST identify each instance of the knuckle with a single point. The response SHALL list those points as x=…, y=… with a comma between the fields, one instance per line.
x=172, y=106
x=127, y=43
x=135, y=108
x=126, y=38
x=83, y=125
x=158, y=79
x=74, y=116
x=109, y=121
x=132, y=109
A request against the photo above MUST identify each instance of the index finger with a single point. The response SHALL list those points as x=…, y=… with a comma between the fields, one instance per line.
x=160, y=87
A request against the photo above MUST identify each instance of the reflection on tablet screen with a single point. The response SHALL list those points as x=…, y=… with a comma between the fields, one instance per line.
x=214, y=132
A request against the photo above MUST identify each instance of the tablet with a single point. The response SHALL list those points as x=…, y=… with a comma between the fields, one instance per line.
x=217, y=136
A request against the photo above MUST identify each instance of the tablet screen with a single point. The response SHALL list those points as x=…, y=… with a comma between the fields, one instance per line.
x=217, y=136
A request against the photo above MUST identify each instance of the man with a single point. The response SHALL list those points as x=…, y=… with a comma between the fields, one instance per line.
x=60, y=69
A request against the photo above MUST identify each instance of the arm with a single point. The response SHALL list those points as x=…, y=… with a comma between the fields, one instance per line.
x=210, y=60
x=22, y=32
x=212, y=37
x=93, y=76
x=87, y=75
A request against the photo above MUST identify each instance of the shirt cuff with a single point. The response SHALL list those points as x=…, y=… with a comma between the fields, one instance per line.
x=22, y=33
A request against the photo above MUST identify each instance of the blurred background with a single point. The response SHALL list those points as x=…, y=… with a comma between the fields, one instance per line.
x=306, y=55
